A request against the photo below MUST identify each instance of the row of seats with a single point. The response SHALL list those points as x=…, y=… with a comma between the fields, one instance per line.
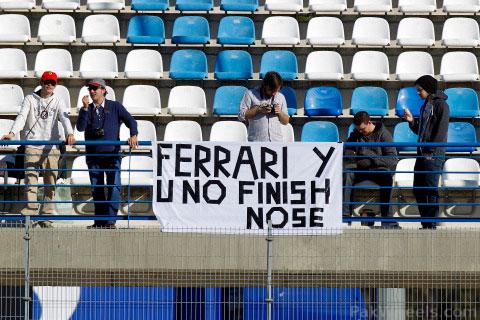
x=318, y=101
x=104, y=28
x=238, y=65
x=407, y=6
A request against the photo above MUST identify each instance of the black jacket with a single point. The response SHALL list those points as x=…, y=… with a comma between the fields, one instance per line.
x=370, y=161
x=437, y=125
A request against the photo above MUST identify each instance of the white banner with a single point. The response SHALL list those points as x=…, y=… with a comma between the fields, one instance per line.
x=232, y=187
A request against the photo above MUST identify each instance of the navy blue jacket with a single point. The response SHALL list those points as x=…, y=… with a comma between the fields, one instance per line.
x=115, y=115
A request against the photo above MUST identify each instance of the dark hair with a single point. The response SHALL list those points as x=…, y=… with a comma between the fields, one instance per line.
x=272, y=80
x=361, y=117
x=428, y=83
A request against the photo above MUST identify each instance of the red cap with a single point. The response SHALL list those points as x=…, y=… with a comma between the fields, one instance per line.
x=49, y=75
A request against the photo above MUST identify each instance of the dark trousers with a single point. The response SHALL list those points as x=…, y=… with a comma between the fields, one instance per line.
x=427, y=196
x=99, y=168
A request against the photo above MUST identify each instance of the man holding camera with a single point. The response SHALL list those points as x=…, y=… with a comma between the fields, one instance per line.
x=101, y=120
x=265, y=109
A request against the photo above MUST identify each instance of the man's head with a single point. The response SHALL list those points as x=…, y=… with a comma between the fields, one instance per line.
x=48, y=81
x=271, y=84
x=97, y=90
x=362, y=123
x=426, y=85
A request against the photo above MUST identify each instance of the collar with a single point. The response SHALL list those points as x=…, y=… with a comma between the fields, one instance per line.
x=101, y=105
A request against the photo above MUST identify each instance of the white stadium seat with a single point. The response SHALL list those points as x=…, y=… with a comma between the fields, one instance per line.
x=459, y=66
x=288, y=134
x=98, y=63
x=284, y=5
x=187, y=100
x=413, y=64
x=324, y=65
x=79, y=136
x=461, y=6
x=144, y=64
x=327, y=5
x=146, y=132
x=280, y=30
x=229, y=131
x=142, y=100
x=420, y=6
x=135, y=178
x=17, y=4
x=84, y=92
x=460, y=32
x=183, y=130
x=105, y=4
x=415, y=32
x=372, y=5
x=61, y=4
x=101, y=28
x=370, y=65
x=371, y=32
x=11, y=98
x=325, y=31
x=403, y=179
x=13, y=63
x=57, y=60
x=14, y=28
x=80, y=171
x=469, y=176
x=58, y=28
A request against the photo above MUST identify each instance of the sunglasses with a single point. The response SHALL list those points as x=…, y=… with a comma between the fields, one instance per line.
x=94, y=88
x=49, y=82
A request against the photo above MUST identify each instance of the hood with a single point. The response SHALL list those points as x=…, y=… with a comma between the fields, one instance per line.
x=439, y=95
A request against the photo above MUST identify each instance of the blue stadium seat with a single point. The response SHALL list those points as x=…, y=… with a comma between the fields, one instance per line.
x=236, y=30
x=239, y=5
x=323, y=101
x=283, y=62
x=408, y=97
x=351, y=127
x=291, y=97
x=402, y=133
x=188, y=64
x=233, y=65
x=461, y=132
x=146, y=29
x=191, y=30
x=319, y=131
x=227, y=100
x=147, y=5
x=463, y=102
x=194, y=5
x=374, y=100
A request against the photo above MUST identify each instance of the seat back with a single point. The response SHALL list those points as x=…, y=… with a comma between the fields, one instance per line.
x=227, y=100
x=461, y=132
x=190, y=29
x=325, y=30
x=408, y=98
x=11, y=98
x=280, y=28
x=403, y=176
x=144, y=98
x=188, y=64
x=13, y=63
x=144, y=63
x=101, y=25
x=463, y=102
x=187, y=100
x=319, y=131
x=99, y=60
x=291, y=98
x=416, y=31
x=236, y=61
x=413, y=64
x=469, y=176
x=56, y=60
x=324, y=62
x=229, y=131
x=458, y=62
x=146, y=132
x=403, y=133
x=183, y=130
x=146, y=26
x=371, y=62
x=460, y=28
x=136, y=170
x=236, y=30
x=373, y=100
x=370, y=30
x=56, y=24
x=323, y=101
x=281, y=61
x=288, y=133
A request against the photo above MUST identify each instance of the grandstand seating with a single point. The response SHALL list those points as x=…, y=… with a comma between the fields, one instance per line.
x=11, y=98
x=280, y=30
x=323, y=101
x=228, y=131
x=188, y=64
x=461, y=132
x=142, y=100
x=291, y=98
x=461, y=6
x=233, y=65
x=369, y=31
x=80, y=171
x=146, y=132
x=236, y=30
x=183, y=130
x=84, y=92
x=187, y=100
x=281, y=61
x=417, y=6
x=194, y=5
x=100, y=28
x=319, y=131
x=460, y=32
x=191, y=29
x=374, y=100
x=327, y=5
x=146, y=29
x=15, y=4
x=284, y=5
x=105, y=4
x=403, y=133
x=134, y=170
x=372, y=5
x=61, y=4
x=14, y=28
x=144, y=64
x=288, y=133
x=148, y=5
x=415, y=32
x=56, y=28
x=57, y=60
x=408, y=98
x=239, y=5
x=463, y=102
x=13, y=63
x=370, y=66
x=324, y=65
x=325, y=31
x=413, y=64
x=98, y=63
x=227, y=100
x=459, y=66
x=403, y=180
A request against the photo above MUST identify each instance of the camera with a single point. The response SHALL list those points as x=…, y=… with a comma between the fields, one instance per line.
x=98, y=133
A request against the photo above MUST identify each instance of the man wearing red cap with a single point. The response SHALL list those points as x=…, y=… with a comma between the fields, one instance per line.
x=39, y=119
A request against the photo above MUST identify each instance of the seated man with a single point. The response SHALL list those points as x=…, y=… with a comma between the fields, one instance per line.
x=371, y=158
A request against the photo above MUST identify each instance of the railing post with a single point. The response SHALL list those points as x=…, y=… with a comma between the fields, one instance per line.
x=269, y=299
x=26, y=258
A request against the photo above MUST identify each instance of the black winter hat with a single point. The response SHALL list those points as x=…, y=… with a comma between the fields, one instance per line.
x=428, y=83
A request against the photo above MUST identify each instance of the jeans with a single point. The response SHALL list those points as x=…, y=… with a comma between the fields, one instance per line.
x=428, y=196
x=96, y=167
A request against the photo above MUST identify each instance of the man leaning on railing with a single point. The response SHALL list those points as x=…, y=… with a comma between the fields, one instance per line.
x=38, y=120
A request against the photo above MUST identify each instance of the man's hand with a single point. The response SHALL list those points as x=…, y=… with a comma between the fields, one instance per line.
x=8, y=136
x=133, y=142
x=70, y=140
x=266, y=109
x=407, y=115
x=85, y=102
x=278, y=110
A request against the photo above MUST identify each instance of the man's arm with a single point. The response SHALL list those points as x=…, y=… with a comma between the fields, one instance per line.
x=247, y=111
x=130, y=122
x=62, y=116
x=82, y=120
x=19, y=122
x=282, y=111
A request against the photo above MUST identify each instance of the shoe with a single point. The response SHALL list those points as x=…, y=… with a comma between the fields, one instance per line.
x=45, y=224
x=94, y=226
x=391, y=226
x=102, y=226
